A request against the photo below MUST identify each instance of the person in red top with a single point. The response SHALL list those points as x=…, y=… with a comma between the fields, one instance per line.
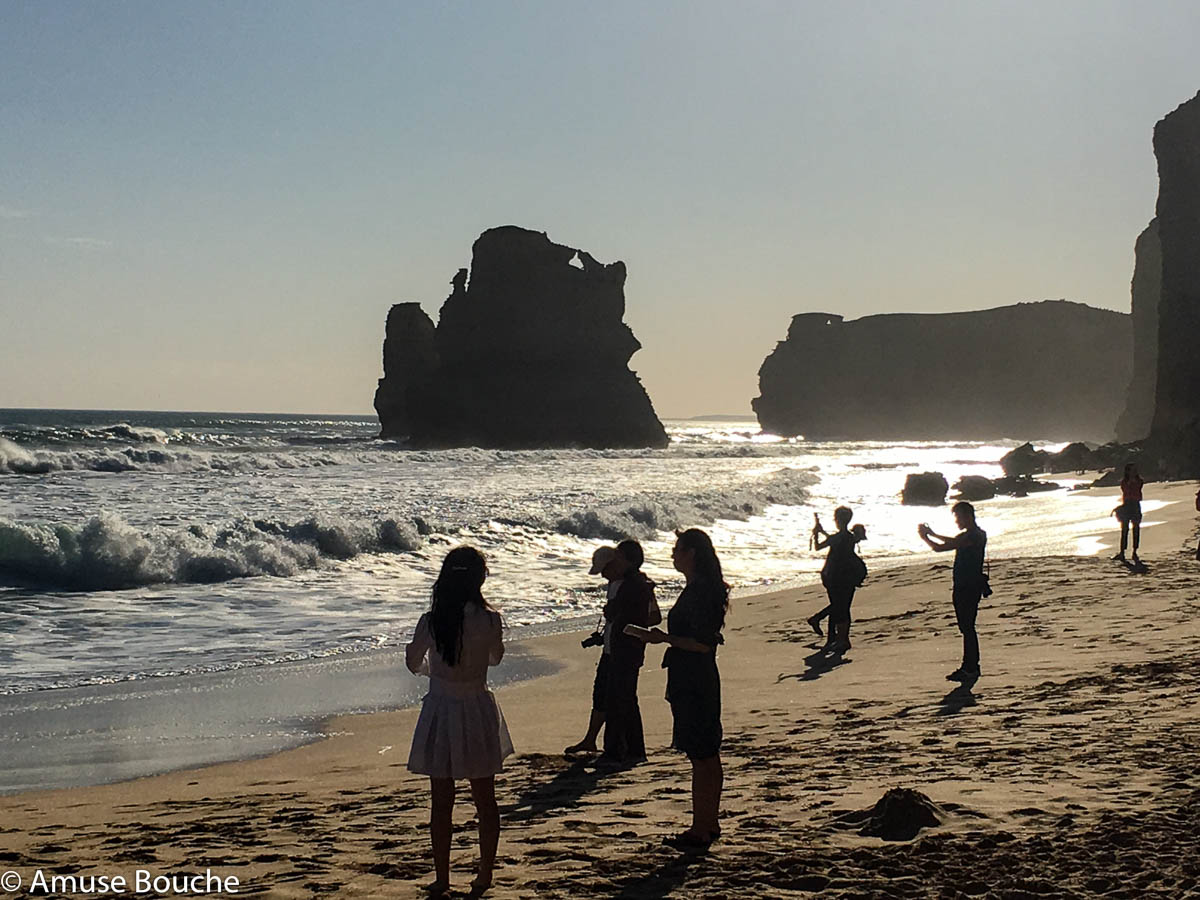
x=1198, y=510
x=1130, y=511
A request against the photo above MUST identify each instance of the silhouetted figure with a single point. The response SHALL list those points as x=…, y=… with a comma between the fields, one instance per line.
x=970, y=582
x=460, y=732
x=693, y=683
x=1129, y=513
x=842, y=574
x=632, y=603
x=604, y=564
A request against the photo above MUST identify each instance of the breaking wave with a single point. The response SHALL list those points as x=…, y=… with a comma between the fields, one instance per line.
x=649, y=514
x=107, y=553
x=16, y=460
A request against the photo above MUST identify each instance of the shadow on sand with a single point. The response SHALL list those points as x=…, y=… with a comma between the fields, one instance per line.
x=817, y=664
x=958, y=699
x=662, y=882
x=564, y=790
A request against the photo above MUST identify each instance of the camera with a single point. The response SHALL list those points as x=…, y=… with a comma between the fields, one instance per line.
x=595, y=639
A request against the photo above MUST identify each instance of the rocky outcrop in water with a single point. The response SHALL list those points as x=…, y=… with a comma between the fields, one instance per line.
x=924, y=489
x=1052, y=370
x=530, y=350
x=1174, y=445
x=1145, y=290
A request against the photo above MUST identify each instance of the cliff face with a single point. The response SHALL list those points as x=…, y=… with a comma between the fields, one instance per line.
x=1051, y=370
x=531, y=352
x=1145, y=291
x=1177, y=146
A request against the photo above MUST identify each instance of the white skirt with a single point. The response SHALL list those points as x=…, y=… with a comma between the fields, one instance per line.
x=459, y=734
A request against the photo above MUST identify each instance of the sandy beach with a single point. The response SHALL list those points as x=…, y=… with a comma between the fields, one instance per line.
x=1069, y=769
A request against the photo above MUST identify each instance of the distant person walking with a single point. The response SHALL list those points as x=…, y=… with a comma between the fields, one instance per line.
x=1198, y=510
x=843, y=573
x=970, y=582
x=1129, y=513
x=460, y=732
x=693, y=683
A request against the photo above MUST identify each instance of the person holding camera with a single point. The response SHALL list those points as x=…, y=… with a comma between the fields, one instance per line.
x=843, y=573
x=970, y=582
x=630, y=601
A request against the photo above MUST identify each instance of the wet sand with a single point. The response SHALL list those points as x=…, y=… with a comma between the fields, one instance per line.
x=1067, y=770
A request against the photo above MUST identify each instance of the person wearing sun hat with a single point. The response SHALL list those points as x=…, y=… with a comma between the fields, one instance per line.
x=603, y=559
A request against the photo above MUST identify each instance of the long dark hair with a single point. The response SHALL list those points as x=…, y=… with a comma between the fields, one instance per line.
x=460, y=582
x=708, y=567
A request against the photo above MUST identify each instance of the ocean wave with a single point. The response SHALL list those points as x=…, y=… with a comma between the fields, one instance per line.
x=647, y=515
x=16, y=460
x=121, y=431
x=107, y=553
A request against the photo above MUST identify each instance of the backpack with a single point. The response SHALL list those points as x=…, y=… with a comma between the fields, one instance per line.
x=858, y=569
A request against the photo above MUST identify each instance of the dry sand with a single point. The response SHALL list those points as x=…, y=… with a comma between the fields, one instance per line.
x=1069, y=769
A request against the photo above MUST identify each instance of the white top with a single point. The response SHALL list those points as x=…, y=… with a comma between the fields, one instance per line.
x=613, y=587
x=482, y=646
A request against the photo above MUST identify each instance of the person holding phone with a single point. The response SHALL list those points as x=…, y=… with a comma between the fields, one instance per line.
x=693, y=634
x=970, y=582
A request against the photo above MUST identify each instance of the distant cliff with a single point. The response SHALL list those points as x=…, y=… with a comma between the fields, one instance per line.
x=1174, y=444
x=529, y=351
x=1145, y=292
x=1049, y=370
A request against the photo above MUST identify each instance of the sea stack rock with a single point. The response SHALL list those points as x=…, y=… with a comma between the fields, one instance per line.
x=1175, y=430
x=1145, y=291
x=1052, y=370
x=530, y=351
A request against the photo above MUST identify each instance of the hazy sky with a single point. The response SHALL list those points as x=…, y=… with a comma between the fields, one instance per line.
x=212, y=205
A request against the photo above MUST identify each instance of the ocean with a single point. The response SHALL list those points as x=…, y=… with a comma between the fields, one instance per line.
x=143, y=544
x=184, y=588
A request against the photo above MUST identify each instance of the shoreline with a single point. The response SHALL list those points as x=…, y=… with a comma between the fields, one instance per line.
x=1088, y=704
x=64, y=738
x=271, y=709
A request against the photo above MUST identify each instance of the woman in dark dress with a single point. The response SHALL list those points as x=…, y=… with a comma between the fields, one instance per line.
x=693, y=684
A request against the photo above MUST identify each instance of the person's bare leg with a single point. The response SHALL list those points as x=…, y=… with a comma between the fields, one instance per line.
x=441, y=814
x=708, y=778
x=483, y=792
x=588, y=744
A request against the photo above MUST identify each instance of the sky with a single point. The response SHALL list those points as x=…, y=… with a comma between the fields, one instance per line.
x=212, y=205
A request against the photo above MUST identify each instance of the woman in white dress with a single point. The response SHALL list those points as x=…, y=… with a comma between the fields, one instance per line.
x=461, y=731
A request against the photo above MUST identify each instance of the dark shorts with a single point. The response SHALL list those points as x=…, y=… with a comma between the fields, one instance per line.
x=600, y=685
x=1130, y=511
x=696, y=710
x=840, y=599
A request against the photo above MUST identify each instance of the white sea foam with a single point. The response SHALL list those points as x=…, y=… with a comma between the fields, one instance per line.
x=107, y=553
x=647, y=515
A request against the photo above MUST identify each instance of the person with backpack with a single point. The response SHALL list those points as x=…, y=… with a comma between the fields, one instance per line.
x=1129, y=513
x=970, y=582
x=1198, y=510
x=843, y=573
